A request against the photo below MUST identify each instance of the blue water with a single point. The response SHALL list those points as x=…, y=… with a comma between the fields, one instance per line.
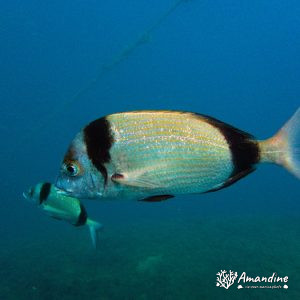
x=235, y=60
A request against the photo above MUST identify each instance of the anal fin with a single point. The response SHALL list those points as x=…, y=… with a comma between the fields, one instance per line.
x=157, y=198
x=232, y=180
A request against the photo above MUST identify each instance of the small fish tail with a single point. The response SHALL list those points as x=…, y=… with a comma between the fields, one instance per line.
x=284, y=147
x=94, y=228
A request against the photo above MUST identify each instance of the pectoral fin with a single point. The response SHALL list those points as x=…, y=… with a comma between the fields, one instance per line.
x=141, y=180
x=157, y=198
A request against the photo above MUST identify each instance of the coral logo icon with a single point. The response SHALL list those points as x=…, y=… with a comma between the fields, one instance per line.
x=225, y=279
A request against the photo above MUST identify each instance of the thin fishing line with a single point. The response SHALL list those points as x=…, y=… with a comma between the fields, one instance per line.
x=104, y=70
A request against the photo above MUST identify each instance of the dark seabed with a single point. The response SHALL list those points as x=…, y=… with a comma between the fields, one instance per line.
x=66, y=63
x=154, y=260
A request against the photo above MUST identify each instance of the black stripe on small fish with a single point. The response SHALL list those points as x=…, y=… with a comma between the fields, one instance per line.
x=45, y=191
x=244, y=150
x=82, y=216
x=98, y=140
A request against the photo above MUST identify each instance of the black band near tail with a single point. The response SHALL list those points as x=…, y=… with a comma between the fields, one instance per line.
x=45, y=191
x=82, y=216
x=244, y=150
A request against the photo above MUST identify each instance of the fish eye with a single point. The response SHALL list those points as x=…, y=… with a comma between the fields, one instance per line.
x=72, y=168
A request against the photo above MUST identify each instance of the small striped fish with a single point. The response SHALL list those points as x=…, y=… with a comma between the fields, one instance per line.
x=154, y=155
x=62, y=207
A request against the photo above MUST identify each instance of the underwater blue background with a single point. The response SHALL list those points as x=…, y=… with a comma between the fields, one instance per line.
x=66, y=63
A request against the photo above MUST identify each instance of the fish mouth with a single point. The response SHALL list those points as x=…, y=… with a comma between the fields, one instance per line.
x=61, y=186
x=81, y=188
x=63, y=191
x=29, y=193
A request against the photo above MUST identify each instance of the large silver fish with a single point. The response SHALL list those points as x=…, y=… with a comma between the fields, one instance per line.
x=154, y=155
x=62, y=207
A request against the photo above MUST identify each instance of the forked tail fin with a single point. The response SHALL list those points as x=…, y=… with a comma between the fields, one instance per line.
x=94, y=228
x=284, y=147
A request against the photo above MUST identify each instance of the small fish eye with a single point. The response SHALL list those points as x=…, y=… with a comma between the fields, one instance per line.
x=72, y=169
